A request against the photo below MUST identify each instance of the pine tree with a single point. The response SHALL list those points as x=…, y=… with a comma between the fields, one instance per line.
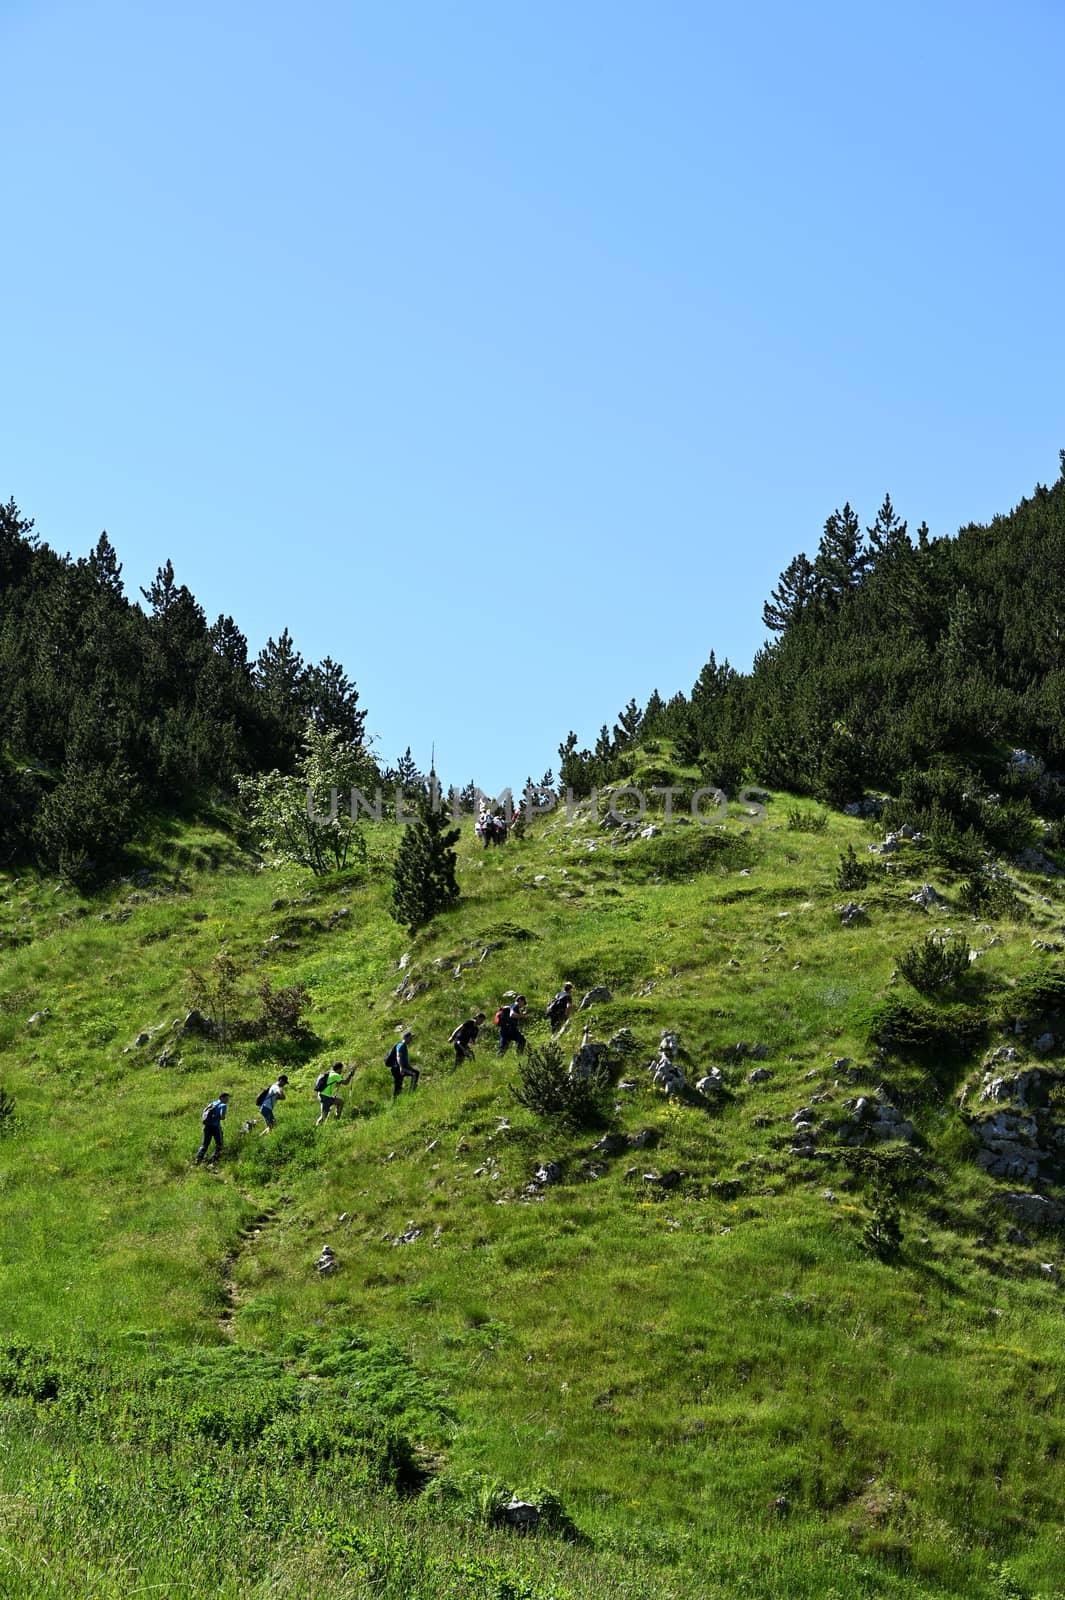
x=106, y=568
x=333, y=700
x=423, y=878
x=796, y=589
x=887, y=537
x=627, y=727
x=841, y=561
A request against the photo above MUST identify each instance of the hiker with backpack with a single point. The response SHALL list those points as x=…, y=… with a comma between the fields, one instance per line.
x=398, y=1062
x=560, y=1007
x=213, y=1116
x=325, y=1087
x=465, y=1037
x=508, y=1020
x=268, y=1099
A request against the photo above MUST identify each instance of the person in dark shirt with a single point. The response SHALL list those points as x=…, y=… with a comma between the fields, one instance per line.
x=560, y=1007
x=399, y=1061
x=510, y=1019
x=213, y=1116
x=465, y=1037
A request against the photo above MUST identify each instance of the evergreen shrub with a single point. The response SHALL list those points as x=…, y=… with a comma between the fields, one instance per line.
x=547, y=1087
x=935, y=964
x=913, y=1027
x=982, y=896
x=1037, y=994
x=852, y=874
x=807, y=821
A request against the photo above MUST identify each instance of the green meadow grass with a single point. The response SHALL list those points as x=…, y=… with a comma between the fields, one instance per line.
x=723, y=1389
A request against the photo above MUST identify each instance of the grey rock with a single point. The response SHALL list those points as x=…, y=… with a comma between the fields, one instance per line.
x=548, y=1172
x=1044, y=1044
x=1027, y=1089
x=664, y=1180
x=668, y=1075
x=711, y=1084
x=141, y=1040
x=646, y=1139
x=278, y=905
x=611, y=1144
x=595, y=996
x=759, y=1075
x=588, y=1059
x=327, y=1261
x=926, y=896
x=520, y=1514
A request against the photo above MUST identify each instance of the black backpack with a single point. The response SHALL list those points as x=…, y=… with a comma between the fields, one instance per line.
x=260, y=1097
x=321, y=1080
x=392, y=1058
x=210, y=1113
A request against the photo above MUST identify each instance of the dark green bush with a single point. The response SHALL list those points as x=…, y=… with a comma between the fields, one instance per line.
x=852, y=874
x=548, y=1087
x=982, y=896
x=913, y=1027
x=1036, y=994
x=807, y=821
x=85, y=821
x=935, y=964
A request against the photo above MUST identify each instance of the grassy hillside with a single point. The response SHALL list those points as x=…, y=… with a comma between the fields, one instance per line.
x=795, y=1367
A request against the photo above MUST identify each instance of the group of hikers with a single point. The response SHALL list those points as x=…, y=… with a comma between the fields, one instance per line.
x=491, y=827
x=508, y=1020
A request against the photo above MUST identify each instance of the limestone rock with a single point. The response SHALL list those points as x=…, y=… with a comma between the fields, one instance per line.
x=596, y=996
x=520, y=1514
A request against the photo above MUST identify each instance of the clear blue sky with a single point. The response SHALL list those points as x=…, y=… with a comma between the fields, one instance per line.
x=505, y=352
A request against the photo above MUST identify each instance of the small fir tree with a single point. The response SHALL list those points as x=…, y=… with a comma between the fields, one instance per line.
x=423, y=878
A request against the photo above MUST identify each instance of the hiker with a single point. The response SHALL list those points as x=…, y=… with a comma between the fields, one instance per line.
x=398, y=1060
x=213, y=1117
x=508, y=1021
x=465, y=1037
x=483, y=827
x=269, y=1099
x=560, y=1007
x=325, y=1087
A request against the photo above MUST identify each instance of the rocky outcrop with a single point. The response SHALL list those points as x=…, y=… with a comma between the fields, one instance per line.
x=873, y=1121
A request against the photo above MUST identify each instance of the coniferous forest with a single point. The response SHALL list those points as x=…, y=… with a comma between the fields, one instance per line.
x=891, y=654
x=110, y=709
